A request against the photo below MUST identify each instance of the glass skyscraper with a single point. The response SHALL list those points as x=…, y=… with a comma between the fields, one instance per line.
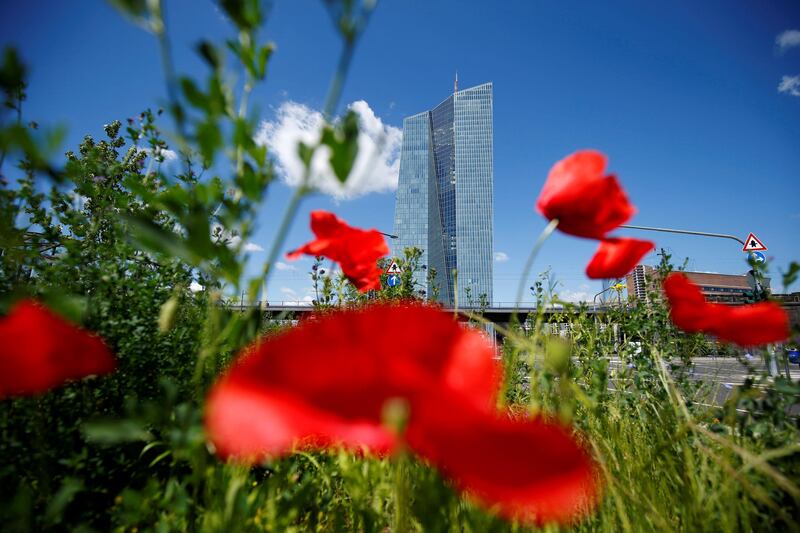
x=444, y=195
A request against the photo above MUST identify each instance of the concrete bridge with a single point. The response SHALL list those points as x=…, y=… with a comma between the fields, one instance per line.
x=499, y=314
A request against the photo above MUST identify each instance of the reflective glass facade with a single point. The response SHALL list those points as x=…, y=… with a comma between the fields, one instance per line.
x=444, y=195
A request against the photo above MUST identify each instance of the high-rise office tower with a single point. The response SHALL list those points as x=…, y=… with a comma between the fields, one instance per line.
x=444, y=195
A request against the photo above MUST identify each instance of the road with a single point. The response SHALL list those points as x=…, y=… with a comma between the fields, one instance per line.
x=722, y=374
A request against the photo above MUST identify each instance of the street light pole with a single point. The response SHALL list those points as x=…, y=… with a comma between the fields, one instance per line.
x=615, y=286
x=756, y=283
x=686, y=232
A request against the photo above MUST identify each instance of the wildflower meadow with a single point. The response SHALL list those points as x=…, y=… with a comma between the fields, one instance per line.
x=144, y=386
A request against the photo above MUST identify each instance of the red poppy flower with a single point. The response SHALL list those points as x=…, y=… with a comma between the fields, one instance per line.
x=326, y=381
x=530, y=470
x=585, y=202
x=746, y=325
x=751, y=325
x=688, y=307
x=616, y=257
x=356, y=250
x=40, y=350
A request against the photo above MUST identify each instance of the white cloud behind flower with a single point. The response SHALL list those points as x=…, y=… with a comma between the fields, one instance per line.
x=377, y=164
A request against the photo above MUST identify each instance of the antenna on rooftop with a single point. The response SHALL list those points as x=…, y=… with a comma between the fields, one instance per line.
x=455, y=84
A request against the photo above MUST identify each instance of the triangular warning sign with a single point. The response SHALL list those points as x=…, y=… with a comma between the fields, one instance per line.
x=753, y=244
x=395, y=269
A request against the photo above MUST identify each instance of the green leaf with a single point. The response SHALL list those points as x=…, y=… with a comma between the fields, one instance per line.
x=66, y=493
x=342, y=139
x=69, y=306
x=242, y=133
x=250, y=182
x=134, y=9
x=305, y=153
x=112, y=431
x=12, y=71
x=195, y=96
x=154, y=238
x=210, y=140
x=790, y=276
x=246, y=14
x=210, y=54
x=263, y=56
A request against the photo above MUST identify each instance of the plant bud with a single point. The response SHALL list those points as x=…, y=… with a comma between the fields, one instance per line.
x=166, y=317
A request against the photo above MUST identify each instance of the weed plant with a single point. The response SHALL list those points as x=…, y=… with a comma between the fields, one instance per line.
x=113, y=238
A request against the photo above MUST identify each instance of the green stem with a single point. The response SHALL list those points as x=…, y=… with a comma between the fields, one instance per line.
x=401, y=491
x=335, y=90
x=244, y=39
x=550, y=228
x=280, y=238
x=170, y=79
x=331, y=101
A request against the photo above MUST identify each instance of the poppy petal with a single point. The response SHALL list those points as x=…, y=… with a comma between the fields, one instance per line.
x=39, y=351
x=752, y=325
x=356, y=250
x=688, y=307
x=326, y=381
x=745, y=325
x=586, y=203
x=616, y=257
x=530, y=470
x=252, y=424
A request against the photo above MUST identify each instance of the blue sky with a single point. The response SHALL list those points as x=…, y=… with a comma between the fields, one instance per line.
x=684, y=99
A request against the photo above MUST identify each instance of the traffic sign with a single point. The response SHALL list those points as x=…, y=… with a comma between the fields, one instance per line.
x=394, y=268
x=757, y=257
x=753, y=244
x=393, y=280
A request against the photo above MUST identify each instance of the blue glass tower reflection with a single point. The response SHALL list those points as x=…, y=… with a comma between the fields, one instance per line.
x=444, y=195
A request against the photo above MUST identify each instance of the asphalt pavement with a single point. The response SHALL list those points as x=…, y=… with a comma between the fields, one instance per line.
x=720, y=374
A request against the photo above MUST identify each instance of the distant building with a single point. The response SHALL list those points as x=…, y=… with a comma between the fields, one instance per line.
x=720, y=288
x=444, y=194
x=641, y=281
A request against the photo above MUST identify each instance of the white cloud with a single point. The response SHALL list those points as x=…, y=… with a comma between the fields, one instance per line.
x=195, y=287
x=788, y=39
x=574, y=296
x=290, y=296
x=166, y=153
x=284, y=266
x=252, y=247
x=790, y=85
x=376, y=167
x=500, y=257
